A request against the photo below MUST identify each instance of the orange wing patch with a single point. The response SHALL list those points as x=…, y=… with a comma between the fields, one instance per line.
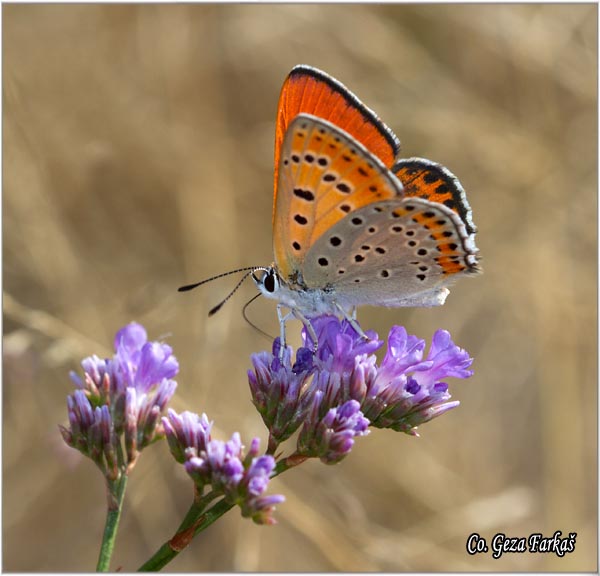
x=424, y=179
x=448, y=243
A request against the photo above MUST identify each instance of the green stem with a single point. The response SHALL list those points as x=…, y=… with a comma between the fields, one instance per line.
x=194, y=522
x=287, y=463
x=116, y=493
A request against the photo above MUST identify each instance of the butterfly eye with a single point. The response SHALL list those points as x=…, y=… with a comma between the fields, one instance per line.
x=270, y=281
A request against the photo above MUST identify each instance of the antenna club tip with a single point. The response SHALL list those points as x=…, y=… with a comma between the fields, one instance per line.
x=214, y=310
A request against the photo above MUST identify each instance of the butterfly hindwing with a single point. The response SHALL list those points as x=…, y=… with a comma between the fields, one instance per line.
x=324, y=175
x=401, y=252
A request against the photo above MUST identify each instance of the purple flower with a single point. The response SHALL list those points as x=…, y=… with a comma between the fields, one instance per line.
x=139, y=363
x=222, y=465
x=283, y=390
x=278, y=389
x=256, y=506
x=121, y=399
x=338, y=343
x=406, y=390
x=401, y=392
x=186, y=431
x=331, y=437
x=224, y=460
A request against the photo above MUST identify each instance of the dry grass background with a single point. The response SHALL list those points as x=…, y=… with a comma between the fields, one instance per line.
x=137, y=154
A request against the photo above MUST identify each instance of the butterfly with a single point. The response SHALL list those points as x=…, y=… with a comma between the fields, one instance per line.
x=352, y=223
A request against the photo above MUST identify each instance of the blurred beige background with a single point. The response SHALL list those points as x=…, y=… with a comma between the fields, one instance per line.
x=137, y=151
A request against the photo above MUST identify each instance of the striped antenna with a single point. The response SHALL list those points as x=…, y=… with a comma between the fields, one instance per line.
x=248, y=272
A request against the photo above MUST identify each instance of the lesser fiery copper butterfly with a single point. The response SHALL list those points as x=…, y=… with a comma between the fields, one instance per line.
x=352, y=224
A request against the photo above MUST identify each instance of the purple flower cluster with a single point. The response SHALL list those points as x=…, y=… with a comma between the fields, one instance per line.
x=336, y=393
x=330, y=437
x=222, y=466
x=330, y=396
x=119, y=401
x=279, y=390
x=406, y=390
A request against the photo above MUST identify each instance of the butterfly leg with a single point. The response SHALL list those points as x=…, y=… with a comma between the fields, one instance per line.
x=309, y=328
x=352, y=319
x=283, y=318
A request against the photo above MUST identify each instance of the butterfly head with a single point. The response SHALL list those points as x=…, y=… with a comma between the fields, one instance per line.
x=290, y=293
x=267, y=281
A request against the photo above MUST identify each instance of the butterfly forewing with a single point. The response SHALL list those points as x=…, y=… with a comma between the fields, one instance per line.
x=311, y=91
x=425, y=179
x=324, y=176
x=401, y=252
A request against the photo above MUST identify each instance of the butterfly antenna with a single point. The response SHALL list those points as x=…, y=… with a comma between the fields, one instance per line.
x=260, y=330
x=249, y=272
x=192, y=286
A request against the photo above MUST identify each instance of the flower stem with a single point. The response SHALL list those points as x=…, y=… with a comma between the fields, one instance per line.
x=286, y=463
x=273, y=444
x=116, y=493
x=194, y=522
